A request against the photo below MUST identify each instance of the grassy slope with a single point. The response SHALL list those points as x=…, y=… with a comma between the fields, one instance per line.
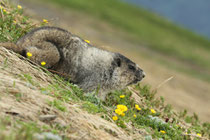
x=152, y=31
x=166, y=119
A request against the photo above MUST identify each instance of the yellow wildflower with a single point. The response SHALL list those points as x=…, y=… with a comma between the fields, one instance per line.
x=198, y=134
x=162, y=131
x=115, y=118
x=134, y=115
x=4, y=10
x=137, y=107
x=19, y=6
x=45, y=21
x=43, y=63
x=14, y=21
x=122, y=107
x=153, y=111
x=118, y=111
x=87, y=41
x=29, y=54
x=122, y=96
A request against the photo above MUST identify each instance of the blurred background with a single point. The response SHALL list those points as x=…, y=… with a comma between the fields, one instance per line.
x=168, y=39
x=191, y=14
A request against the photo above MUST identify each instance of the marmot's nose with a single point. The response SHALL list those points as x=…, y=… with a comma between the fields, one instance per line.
x=143, y=74
x=140, y=74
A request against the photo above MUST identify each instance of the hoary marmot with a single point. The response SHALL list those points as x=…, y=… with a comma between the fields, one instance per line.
x=89, y=67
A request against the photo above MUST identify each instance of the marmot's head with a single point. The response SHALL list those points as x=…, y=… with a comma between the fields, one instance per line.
x=125, y=72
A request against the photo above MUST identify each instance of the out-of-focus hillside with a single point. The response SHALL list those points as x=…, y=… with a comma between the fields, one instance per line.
x=192, y=14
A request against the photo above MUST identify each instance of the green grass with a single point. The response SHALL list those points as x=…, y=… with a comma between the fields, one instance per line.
x=150, y=30
x=9, y=31
x=57, y=104
x=176, y=127
x=16, y=130
x=175, y=124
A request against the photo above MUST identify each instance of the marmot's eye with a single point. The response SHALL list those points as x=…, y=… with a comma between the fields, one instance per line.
x=118, y=62
x=131, y=67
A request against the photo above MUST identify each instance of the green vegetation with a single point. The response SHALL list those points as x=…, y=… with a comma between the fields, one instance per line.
x=163, y=123
x=152, y=114
x=152, y=31
x=158, y=119
x=13, y=25
x=57, y=104
x=19, y=130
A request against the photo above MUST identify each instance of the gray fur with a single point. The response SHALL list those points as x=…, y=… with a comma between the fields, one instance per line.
x=87, y=66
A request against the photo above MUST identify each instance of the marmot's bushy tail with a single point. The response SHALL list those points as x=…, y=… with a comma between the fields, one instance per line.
x=44, y=43
x=54, y=35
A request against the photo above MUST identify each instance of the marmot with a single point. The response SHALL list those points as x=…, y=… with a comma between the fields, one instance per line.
x=89, y=67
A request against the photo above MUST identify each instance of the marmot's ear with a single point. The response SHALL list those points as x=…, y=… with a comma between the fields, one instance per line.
x=118, y=62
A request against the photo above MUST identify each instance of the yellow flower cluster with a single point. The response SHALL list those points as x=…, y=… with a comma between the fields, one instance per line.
x=121, y=109
x=122, y=96
x=19, y=6
x=29, y=54
x=162, y=131
x=198, y=134
x=45, y=21
x=87, y=41
x=115, y=118
x=4, y=10
x=137, y=107
x=43, y=63
x=153, y=111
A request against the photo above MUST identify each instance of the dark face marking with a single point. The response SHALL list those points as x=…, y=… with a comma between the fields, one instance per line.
x=132, y=67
